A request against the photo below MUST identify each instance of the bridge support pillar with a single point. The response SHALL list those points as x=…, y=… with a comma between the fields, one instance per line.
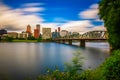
x=70, y=42
x=63, y=41
x=58, y=41
x=82, y=43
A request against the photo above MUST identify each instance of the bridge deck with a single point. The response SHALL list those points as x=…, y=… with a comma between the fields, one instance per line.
x=80, y=39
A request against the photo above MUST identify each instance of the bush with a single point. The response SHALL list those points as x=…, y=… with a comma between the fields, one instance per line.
x=72, y=70
x=31, y=38
x=76, y=65
x=111, y=67
x=39, y=39
x=9, y=39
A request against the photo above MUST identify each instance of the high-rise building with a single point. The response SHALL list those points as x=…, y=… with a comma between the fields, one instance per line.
x=28, y=30
x=36, y=33
x=46, y=33
x=63, y=33
x=58, y=29
x=38, y=27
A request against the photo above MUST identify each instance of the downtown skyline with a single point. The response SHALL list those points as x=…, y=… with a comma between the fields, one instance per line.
x=73, y=15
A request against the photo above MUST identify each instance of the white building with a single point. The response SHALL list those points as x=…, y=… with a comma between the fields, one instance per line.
x=46, y=33
x=23, y=35
x=12, y=34
x=63, y=33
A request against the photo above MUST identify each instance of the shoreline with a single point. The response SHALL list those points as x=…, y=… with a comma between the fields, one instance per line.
x=27, y=41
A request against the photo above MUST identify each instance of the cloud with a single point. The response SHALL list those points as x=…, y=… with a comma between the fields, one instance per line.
x=18, y=19
x=94, y=6
x=33, y=9
x=72, y=26
x=99, y=28
x=32, y=4
x=77, y=26
x=80, y=26
x=91, y=13
x=53, y=26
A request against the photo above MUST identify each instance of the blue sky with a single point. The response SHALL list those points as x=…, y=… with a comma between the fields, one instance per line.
x=67, y=14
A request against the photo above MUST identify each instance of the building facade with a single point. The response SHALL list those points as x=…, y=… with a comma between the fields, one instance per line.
x=23, y=35
x=63, y=33
x=46, y=33
x=58, y=29
x=36, y=33
x=28, y=30
x=13, y=34
x=38, y=27
x=55, y=34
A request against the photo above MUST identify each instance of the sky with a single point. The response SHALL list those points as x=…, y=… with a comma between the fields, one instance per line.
x=72, y=15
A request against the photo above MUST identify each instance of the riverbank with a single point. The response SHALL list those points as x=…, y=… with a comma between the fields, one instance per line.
x=16, y=40
x=24, y=41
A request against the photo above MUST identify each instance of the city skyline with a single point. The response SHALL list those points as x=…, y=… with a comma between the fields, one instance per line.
x=75, y=15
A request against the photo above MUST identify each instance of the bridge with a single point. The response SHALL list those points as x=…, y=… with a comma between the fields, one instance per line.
x=98, y=36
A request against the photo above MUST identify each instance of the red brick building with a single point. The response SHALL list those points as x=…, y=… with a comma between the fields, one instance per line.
x=36, y=33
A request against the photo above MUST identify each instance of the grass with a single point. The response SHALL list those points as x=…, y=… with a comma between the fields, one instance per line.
x=24, y=41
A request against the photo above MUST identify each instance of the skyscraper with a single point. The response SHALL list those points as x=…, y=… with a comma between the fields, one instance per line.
x=36, y=33
x=58, y=29
x=58, y=33
x=28, y=30
x=38, y=27
x=46, y=33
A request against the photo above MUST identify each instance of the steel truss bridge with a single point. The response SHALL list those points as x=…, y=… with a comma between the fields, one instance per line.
x=82, y=38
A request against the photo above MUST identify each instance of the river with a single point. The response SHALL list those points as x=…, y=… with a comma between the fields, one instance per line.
x=22, y=60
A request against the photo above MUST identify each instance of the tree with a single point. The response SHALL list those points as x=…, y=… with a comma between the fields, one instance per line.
x=9, y=39
x=76, y=65
x=39, y=39
x=109, y=11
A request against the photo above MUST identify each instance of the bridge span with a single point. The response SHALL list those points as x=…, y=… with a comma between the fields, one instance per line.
x=98, y=36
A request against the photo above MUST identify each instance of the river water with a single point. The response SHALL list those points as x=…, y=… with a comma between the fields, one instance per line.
x=22, y=60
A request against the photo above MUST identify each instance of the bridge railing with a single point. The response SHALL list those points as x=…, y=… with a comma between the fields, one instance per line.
x=89, y=35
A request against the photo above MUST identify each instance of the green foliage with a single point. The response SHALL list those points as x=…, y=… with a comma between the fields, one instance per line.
x=111, y=67
x=76, y=65
x=5, y=76
x=39, y=39
x=49, y=39
x=21, y=38
x=72, y=70
x=24, y=40
x=109, y=11
x=58, y=75
x=9, y=39
x=31, y=38
x=86, y=75
x=109, y=70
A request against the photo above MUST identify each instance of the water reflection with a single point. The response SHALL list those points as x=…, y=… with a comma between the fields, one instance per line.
x=31, y=59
